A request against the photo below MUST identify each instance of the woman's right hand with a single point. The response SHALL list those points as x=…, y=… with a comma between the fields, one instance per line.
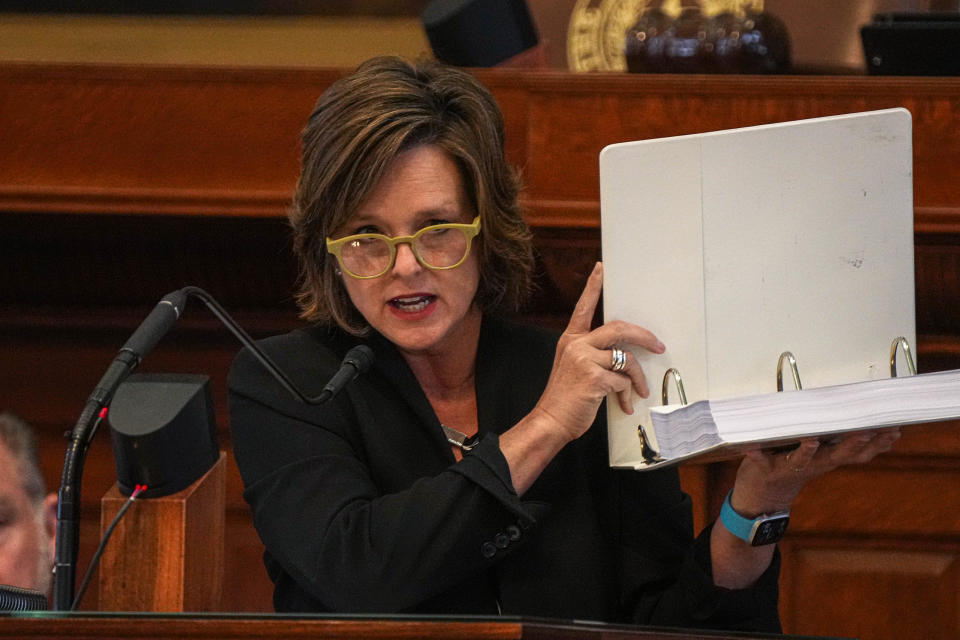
x=582, y=377
x=579, y=381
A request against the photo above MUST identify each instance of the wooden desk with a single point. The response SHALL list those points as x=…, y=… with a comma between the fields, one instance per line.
x=176, y=627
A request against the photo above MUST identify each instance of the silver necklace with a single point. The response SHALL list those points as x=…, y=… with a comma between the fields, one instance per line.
x=460, y=439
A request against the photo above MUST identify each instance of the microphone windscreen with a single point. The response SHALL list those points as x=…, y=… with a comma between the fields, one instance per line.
x=156, y=325
x=361, y=357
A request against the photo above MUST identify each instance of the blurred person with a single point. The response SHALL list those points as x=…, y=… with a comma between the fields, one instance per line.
x=28, y=515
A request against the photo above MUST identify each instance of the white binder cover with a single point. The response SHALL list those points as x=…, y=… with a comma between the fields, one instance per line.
x=735, y=246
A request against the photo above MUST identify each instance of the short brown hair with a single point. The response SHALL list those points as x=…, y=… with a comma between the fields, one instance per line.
x=360, y=125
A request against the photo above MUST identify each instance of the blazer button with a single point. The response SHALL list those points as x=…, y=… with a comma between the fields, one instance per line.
x=514, y=532
x=488, y=549
x=501, y=540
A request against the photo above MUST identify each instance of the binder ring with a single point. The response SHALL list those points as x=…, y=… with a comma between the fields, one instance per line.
x=647, y=452
x=903, y=344
x=665, y=387
x=786, y=355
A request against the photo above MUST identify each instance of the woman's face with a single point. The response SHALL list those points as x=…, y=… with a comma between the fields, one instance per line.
x=418, y=309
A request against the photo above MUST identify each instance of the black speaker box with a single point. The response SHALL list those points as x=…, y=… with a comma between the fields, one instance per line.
x=478, y=33
x=912, y=44
x=163, y=431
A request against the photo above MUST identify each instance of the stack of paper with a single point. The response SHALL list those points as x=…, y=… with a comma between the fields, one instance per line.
x=684, y=431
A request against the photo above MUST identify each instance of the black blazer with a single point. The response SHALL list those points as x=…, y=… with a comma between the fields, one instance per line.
x=363, y=508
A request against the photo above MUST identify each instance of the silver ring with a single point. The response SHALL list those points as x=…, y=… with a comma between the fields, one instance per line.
x=618, y=359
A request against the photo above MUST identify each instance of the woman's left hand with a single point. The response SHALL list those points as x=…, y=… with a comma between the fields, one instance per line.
x=768, y=482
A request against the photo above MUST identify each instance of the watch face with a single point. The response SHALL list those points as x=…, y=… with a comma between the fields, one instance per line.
x=769, y=530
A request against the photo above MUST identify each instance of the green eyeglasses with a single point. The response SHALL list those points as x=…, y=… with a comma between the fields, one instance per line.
x=437, y=247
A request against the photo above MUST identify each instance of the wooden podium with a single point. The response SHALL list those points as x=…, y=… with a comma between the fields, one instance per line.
x=166, y=554
x=240, y=627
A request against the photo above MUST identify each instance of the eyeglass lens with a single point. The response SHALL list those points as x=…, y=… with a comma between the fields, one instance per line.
x=435, y=248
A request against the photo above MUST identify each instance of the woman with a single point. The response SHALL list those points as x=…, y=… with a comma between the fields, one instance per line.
x=465, y=473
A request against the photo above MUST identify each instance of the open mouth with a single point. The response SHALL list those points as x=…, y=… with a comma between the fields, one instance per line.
x=412, y=304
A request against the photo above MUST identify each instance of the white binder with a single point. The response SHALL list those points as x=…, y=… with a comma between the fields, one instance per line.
x=735, y=246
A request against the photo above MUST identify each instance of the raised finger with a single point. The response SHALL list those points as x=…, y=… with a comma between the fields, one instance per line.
x=587, y=304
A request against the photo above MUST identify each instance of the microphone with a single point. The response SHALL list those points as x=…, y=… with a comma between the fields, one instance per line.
x=156, y=325
x=160, y=320
x=358, y=360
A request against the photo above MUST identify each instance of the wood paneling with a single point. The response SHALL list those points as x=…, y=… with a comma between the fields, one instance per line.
x=166, y=553
x=187, y=140
x=883, y=501
x=120, y=184
x=913, y=592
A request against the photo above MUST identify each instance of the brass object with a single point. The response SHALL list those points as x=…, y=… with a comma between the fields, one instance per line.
x=648, y=453
x=901, y=343
x=786, y=355
x=597, y=30
x=665, y=387
x=596, y=34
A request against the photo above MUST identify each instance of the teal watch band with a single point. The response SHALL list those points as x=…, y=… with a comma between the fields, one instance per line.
x=764, y=529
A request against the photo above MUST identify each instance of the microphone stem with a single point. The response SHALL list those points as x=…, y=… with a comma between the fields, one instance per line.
x=68, y=508
x=248, y=342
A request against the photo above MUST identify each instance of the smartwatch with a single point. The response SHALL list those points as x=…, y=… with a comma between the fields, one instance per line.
x=764, y=529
